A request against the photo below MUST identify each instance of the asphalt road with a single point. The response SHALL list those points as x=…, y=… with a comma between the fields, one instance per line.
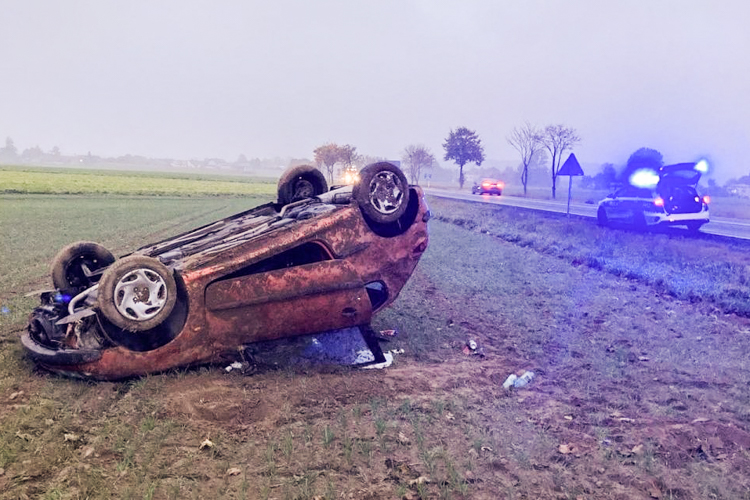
x=720, y=226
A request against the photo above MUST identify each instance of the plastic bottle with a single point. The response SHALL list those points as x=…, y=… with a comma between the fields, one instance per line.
x=510, y=381
x=523, y=380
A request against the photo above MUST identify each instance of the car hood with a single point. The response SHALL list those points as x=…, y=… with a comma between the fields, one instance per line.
x=679, y=174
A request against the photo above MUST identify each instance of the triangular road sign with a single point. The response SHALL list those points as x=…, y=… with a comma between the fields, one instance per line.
x=571, y=166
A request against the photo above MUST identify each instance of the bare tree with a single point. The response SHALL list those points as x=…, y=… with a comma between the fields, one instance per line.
x=558, y=139
x=416, y=158
x=527, y=140
x=363, y=160
x=348, y=154
x=328, y=155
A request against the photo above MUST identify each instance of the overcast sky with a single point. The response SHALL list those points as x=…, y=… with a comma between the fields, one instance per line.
x=196, y=79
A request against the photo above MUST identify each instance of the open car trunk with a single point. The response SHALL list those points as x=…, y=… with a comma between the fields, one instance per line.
x=677, y=187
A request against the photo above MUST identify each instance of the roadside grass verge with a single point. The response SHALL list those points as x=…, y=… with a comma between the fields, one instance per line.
x=696, y=268
x=18, y=180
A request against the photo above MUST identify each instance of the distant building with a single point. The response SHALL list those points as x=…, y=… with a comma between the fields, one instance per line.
x=741, y=190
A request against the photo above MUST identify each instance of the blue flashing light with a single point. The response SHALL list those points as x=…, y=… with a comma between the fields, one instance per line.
x=644, y=178
x=701, y=166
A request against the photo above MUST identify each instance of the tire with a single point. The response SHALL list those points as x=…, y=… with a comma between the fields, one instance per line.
x=300, y=182
x=137, y=293
x=694, y=227
x=601, y=217
x=382, y=192
x=72, y=266
x=639, y=221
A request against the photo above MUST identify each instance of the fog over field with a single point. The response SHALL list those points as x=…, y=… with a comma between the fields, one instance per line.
x=198, y=79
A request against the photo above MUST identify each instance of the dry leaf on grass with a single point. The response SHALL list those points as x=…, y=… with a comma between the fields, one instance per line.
x=566, y=449
x=419, y=480
x=637, y=450
x=24, y=436
x=654, y=491
x=402, y=439
x=234, y=471
x=69, y=436
x=207, y=443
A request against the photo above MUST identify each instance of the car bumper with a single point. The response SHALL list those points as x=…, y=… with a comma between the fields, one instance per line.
x=656, y=219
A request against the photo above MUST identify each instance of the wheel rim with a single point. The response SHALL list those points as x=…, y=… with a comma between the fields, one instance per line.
x=303, y=189
x=140, y=294
x=386, y=192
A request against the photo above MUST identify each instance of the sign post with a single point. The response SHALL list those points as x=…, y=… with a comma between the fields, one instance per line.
x=570, y=168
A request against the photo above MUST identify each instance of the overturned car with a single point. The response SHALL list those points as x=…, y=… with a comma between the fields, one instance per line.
x=316, y=260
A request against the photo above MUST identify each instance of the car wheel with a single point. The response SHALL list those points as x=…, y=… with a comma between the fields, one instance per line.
x=601, y=217
x=382, y=192
x=73, y=266
x=694, y=227
x=300, y=182
x=137, y=293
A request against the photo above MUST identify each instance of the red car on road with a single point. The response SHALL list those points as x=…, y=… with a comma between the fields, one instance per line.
x=488, y=186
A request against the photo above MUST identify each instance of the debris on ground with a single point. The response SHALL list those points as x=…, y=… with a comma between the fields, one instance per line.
x=234, y=471
x=5, y=310
x=236, y=366
x=509, y=381
x=388, y=333
x=517, y=382
x=472, y=348
x=385, y=364
x=207, y=443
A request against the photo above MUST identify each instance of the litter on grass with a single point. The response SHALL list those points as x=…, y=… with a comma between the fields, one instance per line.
x=472, y=348
x=516, y=382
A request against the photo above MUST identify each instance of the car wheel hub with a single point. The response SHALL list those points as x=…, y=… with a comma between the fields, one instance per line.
x=386, y=192
x=303, y=189
x=140, y=294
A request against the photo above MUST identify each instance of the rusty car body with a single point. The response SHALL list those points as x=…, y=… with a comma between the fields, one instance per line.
x=314, y=261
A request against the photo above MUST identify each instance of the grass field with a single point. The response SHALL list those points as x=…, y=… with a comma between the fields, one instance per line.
x=639, y=343
x=69, y=181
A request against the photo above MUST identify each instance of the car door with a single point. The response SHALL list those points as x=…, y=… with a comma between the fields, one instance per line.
x=617, y=206
x=294, y=300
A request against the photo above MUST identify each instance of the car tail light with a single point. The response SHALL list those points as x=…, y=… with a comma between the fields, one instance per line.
x=486, y=184
x=706, y=199
x=659, y=202
x=500, y=185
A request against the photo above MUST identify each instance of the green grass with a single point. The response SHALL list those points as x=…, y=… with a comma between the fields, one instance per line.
x=64, y=181
x=688, y=268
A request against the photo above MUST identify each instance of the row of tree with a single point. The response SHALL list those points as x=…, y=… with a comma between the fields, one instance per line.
x=10, y=152
x=534, y=143
x=415, y=158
